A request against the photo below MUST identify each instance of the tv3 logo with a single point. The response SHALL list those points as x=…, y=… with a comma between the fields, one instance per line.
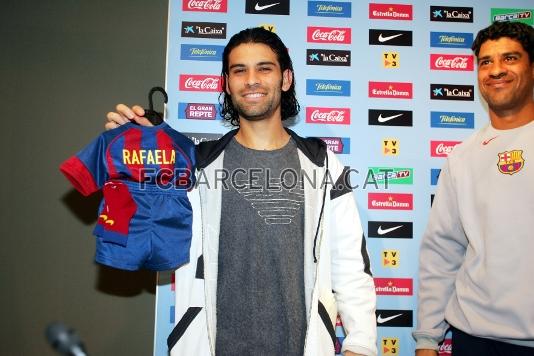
x=390, y=147
x=390, y=346
x=390, y=59
x=390, y=258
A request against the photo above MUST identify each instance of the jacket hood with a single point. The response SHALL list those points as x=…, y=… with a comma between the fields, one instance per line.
x=312, y=147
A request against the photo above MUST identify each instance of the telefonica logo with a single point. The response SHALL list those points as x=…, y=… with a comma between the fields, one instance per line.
x=329, y=8
x=451, y=39
x=201, y=52
x=448, y=119
x=325, y=87
x=434, y=176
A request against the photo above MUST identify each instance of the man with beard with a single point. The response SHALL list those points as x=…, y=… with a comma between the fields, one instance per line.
x=276, y=253
x=476, y=272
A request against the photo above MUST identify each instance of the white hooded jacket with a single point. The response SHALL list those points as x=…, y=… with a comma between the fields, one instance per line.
x=337, y=275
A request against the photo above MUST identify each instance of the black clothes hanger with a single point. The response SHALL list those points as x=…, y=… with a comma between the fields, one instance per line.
x=153, y=116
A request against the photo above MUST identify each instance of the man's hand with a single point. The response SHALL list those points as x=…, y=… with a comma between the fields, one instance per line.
x=426, y=352
x=125, y=114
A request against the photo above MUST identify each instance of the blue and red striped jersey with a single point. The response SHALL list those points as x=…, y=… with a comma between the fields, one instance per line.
x=156, y=155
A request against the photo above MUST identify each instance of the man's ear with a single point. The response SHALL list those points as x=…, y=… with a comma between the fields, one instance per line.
x=287, y=79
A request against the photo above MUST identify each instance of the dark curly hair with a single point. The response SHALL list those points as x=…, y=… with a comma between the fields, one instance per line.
x=289, y=103
x=518, y=31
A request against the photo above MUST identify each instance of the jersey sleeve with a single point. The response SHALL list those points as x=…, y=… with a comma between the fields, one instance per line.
x=86, y=170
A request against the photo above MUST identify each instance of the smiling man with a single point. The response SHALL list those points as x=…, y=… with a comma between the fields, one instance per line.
x=275, y=257
x=476, y=272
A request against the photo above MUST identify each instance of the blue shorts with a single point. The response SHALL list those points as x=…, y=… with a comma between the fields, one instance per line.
x=159, y=232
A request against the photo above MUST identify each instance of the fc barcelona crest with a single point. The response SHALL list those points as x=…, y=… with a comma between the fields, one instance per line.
x=511, y=162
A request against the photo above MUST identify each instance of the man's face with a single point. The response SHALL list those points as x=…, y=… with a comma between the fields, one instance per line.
x=255, y=81
x=505, y=74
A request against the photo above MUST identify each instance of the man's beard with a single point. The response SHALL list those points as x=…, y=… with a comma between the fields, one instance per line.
x=262, y=111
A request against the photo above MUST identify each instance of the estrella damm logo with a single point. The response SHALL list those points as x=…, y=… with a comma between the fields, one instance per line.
x=391, y=60
x=390, y=258
x=390, y=346
x=390, y=147
x=511, y=162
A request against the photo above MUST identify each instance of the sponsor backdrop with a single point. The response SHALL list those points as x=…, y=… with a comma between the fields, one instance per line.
x=390, y=87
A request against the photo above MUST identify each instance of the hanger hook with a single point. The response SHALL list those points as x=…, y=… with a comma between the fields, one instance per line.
x=151, y=94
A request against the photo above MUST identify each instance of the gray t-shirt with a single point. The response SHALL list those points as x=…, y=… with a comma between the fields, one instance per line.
x=260, y=286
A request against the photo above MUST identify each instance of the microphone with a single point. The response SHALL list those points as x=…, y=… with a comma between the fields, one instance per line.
x=64, y=340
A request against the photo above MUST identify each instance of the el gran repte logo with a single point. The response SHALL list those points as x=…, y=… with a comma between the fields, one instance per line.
x=270, y=7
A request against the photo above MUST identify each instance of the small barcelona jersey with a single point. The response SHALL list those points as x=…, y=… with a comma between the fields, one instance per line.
x=145, y=217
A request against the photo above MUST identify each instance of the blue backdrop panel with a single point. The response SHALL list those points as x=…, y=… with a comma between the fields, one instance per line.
x=389, y=85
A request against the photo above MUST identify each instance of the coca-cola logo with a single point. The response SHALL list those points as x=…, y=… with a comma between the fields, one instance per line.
x=442, y=148
x=205, y=5
x=451, y=62
x=329, y=35
x=445, y=348
x=200, y=83
x=328, y=115
x=208, y=83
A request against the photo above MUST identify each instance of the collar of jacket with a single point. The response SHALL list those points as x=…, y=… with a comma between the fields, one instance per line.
x=312, y=147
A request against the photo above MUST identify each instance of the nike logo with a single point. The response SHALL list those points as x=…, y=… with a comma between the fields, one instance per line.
x=258, y=7
x=385, y=231
x=485, y=142
x=387, y=38
x=381, y=320
x=387, y=118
